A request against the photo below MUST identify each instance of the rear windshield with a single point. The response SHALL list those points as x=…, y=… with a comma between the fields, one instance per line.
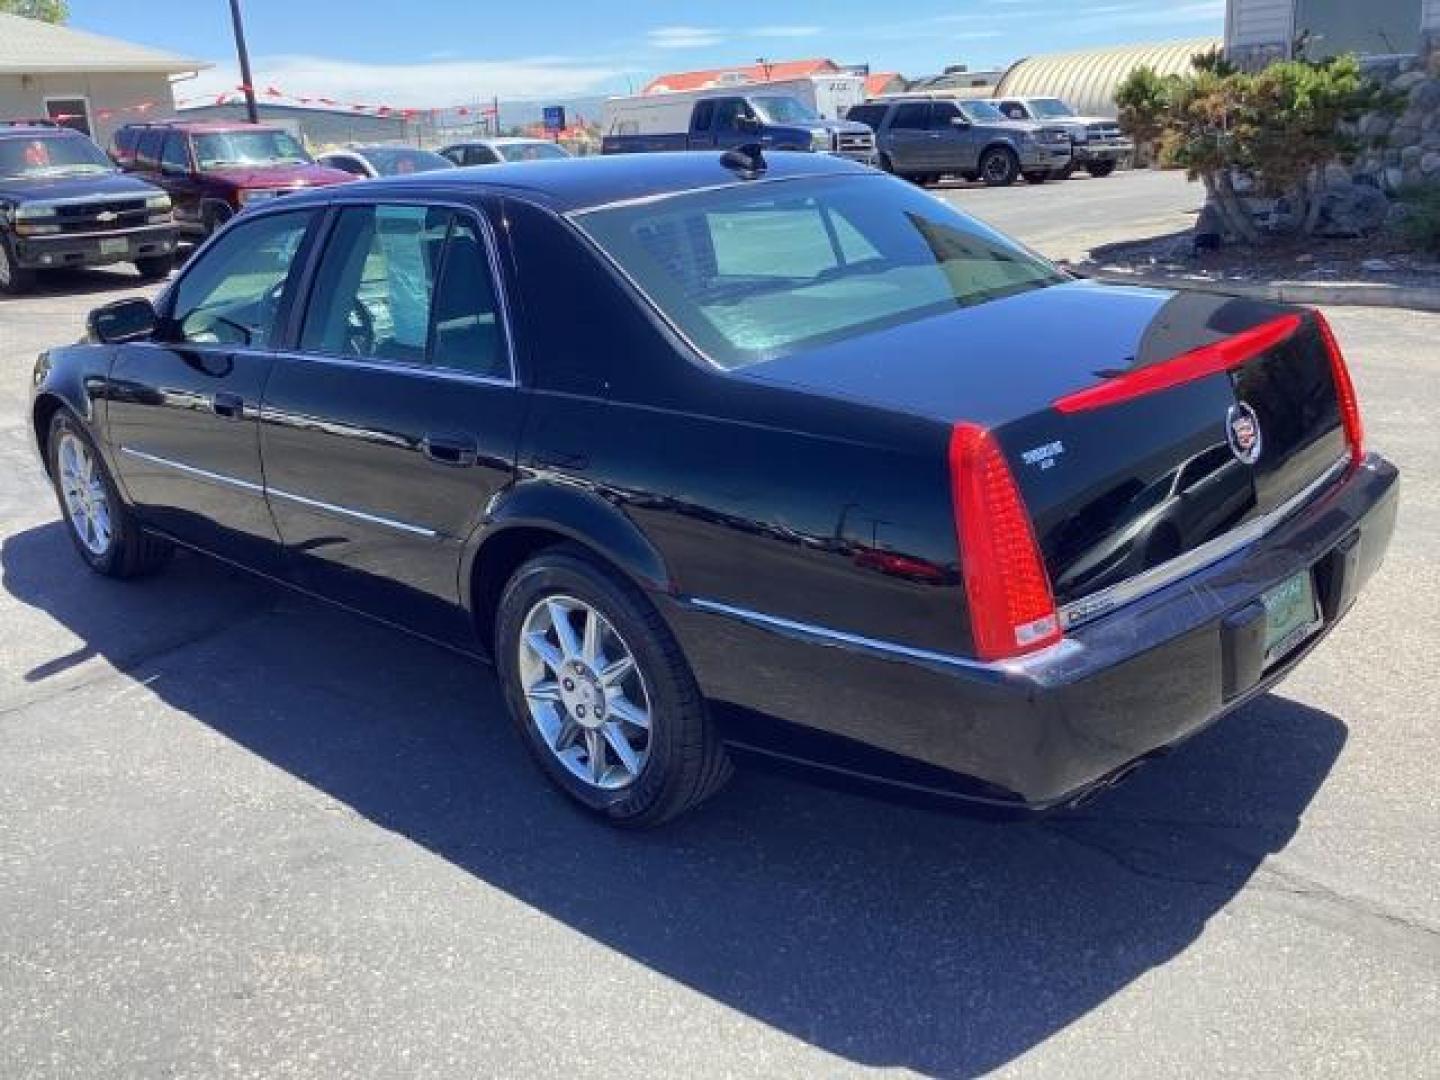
x=756, y=271
x=221, y=149
x=532, y=151
x=52, y=155
x=401, y=160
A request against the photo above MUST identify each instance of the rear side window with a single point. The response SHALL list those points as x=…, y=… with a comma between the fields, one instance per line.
x=911, y=117
x=176, y=155
x=751, y=273
x=480, y=155
x=408, y=284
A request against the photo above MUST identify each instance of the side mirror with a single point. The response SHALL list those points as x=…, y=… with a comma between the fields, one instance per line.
x=959, y=122
x=747, y=124
x=124, y=320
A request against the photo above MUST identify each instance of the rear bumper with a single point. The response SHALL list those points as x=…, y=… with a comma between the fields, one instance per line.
x=1043, y=731
x=94, y=249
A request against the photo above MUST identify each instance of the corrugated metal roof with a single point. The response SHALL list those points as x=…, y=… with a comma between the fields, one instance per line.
x=31, y=47
x=1088, y=78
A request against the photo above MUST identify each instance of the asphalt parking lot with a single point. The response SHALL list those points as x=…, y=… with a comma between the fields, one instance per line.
x=243, y=834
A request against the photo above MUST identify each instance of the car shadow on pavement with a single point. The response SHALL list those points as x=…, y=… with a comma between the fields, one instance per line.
x=881, y=933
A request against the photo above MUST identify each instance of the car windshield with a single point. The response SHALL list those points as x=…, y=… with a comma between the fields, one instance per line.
x=981, y=112
x=52, y=155
x=1050, y=108
x=777, y=109
x=532, y=151
x=219, y=149
x=402, y=160
x=750, y=273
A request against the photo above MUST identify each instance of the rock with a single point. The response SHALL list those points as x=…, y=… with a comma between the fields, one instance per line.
x=1352, y=210
x=1336, y=175
x=1425, y=96
x=1430, y=163
x=1407, y=82
x=1375, y=126
x=1405, y=132
x=1393, y=178
x=1376, y=266
x=1410, y=156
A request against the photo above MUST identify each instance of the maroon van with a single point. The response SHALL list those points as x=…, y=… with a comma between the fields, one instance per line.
x=214, y=169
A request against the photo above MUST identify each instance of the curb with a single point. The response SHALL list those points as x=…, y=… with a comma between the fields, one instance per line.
x=1338, y=293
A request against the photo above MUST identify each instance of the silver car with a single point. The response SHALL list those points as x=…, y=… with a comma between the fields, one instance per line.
x=498, y=150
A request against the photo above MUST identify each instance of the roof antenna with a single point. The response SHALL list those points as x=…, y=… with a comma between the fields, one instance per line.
x=746, y=159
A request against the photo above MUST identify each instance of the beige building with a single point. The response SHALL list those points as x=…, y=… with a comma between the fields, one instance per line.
x=89, y=82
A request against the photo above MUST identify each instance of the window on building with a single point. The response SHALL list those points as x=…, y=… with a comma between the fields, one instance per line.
x=72, y=112
x=1374, y=28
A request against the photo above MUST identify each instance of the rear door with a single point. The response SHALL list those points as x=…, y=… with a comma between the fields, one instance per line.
x=389, y=427
x=183, y=407
x=179, y=175
x=954, y=146
x=728, y=113
x=909, y=143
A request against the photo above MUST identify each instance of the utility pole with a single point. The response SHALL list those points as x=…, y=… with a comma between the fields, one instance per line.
x=248, y=83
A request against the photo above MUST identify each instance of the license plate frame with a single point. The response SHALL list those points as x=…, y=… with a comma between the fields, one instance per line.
x=1292, y=616
x=114, y=245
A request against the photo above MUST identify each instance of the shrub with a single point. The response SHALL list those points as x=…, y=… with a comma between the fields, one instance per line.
x=1280, y=126
x=1419, y=223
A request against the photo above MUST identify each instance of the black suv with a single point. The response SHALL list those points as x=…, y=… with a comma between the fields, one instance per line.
x=63, y=203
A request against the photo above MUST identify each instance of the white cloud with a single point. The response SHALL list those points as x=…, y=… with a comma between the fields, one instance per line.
x=420, y=85
x=684, y=37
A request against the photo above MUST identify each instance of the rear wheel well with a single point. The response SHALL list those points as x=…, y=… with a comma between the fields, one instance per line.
x=495, y=564
x=46, y=406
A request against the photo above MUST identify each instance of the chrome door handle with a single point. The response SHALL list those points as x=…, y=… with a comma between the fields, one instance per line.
x=457, y=450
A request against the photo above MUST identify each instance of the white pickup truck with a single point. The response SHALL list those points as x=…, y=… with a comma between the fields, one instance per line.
x=1099, y=144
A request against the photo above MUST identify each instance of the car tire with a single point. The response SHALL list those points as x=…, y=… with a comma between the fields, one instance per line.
x=1065, y=173
x=1100, y=169
x=14, y=279
x=999, y=167
x=155, y=267
x=103, y=529
x=675, y=759
x=214, y=218
x=1036, y=177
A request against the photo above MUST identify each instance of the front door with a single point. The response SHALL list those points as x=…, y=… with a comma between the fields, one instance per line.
x=954, y=145
x=728, y=114
x=183, y=408
x=388, y=429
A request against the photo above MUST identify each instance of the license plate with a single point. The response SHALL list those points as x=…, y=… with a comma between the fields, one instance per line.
x=115, y=245
x=1291, y=616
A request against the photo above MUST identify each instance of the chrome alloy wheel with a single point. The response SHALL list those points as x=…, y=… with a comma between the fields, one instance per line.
x=585, y=692
x=87, y=503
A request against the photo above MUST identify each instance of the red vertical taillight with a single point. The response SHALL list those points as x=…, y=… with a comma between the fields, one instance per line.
x=1344, y=391
x=1012, y=609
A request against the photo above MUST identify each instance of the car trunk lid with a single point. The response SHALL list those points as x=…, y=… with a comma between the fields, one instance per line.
x=1118, y=486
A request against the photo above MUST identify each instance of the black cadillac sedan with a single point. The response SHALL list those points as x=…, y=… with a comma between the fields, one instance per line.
x=717, y=455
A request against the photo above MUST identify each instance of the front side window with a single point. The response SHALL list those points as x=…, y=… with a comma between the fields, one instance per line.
x=481, y=155
x=407, y=284
x=174, y=157
x=941, y=113
x=911, y=117
x=752, y=273
x=225, y=149
x=727, y=112
x=47, y=155
x=232, y=294
x=1050, y=109
x=403, y=160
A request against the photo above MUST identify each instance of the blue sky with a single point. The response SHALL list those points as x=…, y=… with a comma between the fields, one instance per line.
x=440, y=52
